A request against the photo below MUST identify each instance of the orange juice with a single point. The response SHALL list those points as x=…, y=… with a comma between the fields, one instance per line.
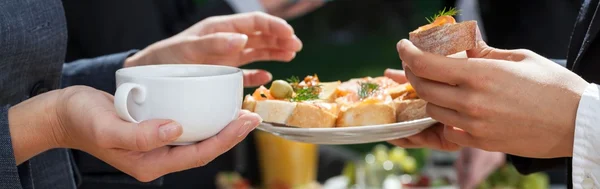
x=285, y=164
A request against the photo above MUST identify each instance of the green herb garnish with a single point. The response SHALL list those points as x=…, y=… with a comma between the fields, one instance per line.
x=303, y=93
x=293, y=80
x=306, y=93
x=450, y=12
x=366, y=89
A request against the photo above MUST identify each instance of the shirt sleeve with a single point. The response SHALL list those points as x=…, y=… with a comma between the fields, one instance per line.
x=9, y=173
x=586, y=145
x=98, y=72
x=241, y=6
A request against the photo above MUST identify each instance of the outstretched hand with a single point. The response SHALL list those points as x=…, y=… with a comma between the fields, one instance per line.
x=232, y=40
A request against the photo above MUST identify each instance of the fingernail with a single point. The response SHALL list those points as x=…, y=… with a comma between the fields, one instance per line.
x=400, y=43
x=248, y=126
x=169, y=131
x=237, y=40
x=270, y=76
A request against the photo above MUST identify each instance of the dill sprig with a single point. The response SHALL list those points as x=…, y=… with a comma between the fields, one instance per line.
x=293, y=80
x=450, y=12
x=366, y=89
x=306, y=93
x=303, y=93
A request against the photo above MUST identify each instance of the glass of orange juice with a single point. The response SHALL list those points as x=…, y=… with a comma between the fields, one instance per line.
x=285, y=164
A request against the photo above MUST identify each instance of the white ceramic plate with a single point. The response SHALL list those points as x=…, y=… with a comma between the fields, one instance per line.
x=350, y=135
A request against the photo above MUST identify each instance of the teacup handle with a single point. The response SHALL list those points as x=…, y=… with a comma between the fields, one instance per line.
x=121, y=96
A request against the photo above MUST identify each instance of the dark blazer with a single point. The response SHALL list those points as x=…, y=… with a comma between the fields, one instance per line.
x=583, y=57
x=33, y=41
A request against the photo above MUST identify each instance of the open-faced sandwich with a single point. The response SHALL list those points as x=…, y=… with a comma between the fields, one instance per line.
x=444, y=36
x=310, y=103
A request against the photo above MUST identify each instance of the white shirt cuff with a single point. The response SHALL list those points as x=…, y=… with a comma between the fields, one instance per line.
x=242, y=6
x=586, y=144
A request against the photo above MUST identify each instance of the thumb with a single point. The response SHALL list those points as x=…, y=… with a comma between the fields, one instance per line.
x=144, y=136
x=218, y=44
x=397, y=75
x=482, y=50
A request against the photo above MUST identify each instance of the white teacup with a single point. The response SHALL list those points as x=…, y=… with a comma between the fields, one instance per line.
x=202, y=98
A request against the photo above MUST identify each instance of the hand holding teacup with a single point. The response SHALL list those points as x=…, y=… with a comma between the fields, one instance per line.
x=205, y=101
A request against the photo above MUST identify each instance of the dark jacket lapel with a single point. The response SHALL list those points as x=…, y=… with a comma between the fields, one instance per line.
x=585, y=31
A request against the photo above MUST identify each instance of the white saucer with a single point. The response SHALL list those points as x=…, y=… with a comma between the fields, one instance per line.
x=350, y=135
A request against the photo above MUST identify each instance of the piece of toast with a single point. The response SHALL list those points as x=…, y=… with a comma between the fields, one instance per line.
x=447, y=39
x=369, y=111
x=312, y=114
x=367, y=114
x=410, y=109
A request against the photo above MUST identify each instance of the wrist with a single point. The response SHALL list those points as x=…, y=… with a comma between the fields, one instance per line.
x=33, y=127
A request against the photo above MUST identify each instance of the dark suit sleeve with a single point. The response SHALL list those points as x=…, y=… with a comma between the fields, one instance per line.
x=531, y=165
x=9, y=173
x=96, y=72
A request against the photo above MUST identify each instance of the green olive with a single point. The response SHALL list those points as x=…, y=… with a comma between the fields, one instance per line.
x=281, y=89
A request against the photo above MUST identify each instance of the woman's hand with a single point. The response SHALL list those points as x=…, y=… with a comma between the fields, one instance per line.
x=233, y=40
x=512, y=101
x=84, y=118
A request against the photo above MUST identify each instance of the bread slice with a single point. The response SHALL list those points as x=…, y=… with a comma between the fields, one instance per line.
x=369, y=111
x=249, y=103
x=447, y=39
x=367, y=114
x=313, y=115
x=329, y=91
x=275, y=111
x=410, y=109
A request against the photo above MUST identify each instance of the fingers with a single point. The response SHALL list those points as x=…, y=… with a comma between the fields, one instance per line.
x=186, y=157
x=435, y=92
x=144, y=136
x=482, y=50
x=397, y=75
x=253, y=78
x=458, y=136
x=215, y=44
x=448, y=116
x=431, y=66
x=431, y=137
x=250, y=23
x=272, y=42
x=253, y=55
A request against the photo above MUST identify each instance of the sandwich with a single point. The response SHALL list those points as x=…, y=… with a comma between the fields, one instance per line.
x=310, y=103
x=444, y=36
